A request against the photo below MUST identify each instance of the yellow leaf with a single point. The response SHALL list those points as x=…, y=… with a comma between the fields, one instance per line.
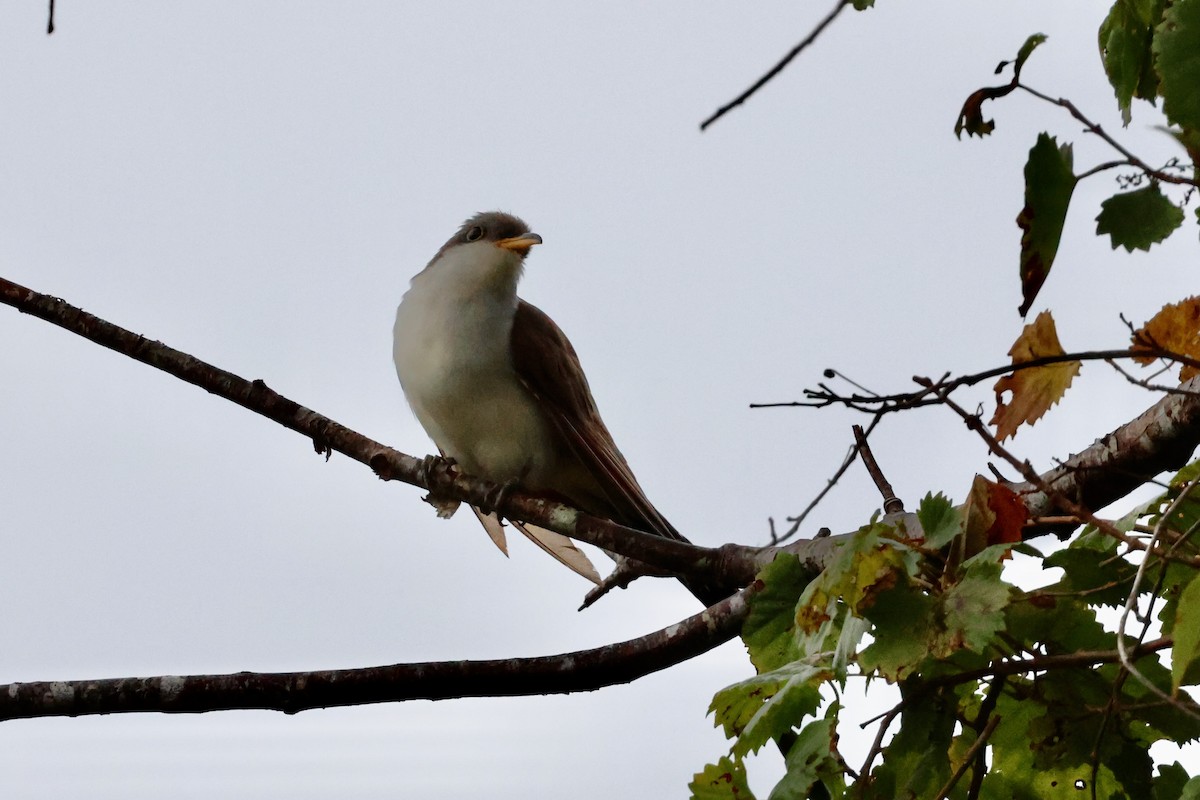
x=1175, y=329
x=1035, y=389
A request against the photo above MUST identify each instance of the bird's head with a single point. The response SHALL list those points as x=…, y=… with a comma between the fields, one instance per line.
x=488, y=251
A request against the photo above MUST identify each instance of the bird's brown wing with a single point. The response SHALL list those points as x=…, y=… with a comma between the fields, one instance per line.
x=546, y=364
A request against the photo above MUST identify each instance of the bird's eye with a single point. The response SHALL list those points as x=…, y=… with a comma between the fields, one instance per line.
x=475, y=233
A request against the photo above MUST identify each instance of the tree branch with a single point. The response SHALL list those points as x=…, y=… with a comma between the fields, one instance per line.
x=732, y=565
x=778, y=68
x=1162, y=438
x=290, y=692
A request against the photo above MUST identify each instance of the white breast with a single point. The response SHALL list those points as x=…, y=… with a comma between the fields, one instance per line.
x=451, y=349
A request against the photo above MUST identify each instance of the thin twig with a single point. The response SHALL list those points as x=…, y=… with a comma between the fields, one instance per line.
x=891, y=503
x=968, y=757
x=798, y=520
x=775, y=70
x=1131, y=602
x=1095, y=128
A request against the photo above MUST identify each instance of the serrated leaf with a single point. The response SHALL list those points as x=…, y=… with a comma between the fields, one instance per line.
x=939, y=519
x=1091, y=565
x=1049, y=183
x=765, y=706
x=769, y=629
x=1177, y=61
x=1170, y=781
x=1125, y=39
x=1185, y=657
x=903, y=623
x=916, y=762
x=973, y=609
x=809, y=759
x=1138, y=219
x=725, y=780
x=1175, y=329
x=1036, y=389
x=866, y=565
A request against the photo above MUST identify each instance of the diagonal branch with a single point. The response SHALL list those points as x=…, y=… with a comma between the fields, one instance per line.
x=732, y=565
x=290, y=692
x=778, y=68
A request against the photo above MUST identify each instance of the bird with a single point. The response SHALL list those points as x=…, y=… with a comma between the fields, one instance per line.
x=499, y=389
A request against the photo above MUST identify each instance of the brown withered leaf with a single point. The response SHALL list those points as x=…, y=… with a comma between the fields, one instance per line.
x=1035, y=389
x=1175, y=329
x=993, y=514
x=1010, y=514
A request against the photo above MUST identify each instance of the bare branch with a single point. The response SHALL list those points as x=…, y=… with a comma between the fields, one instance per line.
x=290, y=692
x=775, y=70
x=1160, y=439
x=891, y=503
x=1094, y=128
x=734, y=565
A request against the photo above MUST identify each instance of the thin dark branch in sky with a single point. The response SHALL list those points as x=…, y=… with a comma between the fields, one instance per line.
x=290, y=692
x=775, y=70
x=50, y=24
x=885, y=403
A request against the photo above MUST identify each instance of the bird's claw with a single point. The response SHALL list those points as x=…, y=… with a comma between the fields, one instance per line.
x=430, y=465
x=496, y=498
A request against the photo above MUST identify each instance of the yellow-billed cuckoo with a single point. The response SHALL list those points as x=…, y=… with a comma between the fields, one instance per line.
x=499, y=389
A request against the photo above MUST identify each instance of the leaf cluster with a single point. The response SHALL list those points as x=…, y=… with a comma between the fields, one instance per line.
x=1005, y=693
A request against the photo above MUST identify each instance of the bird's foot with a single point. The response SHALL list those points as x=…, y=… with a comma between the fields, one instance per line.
x=431, y=463
x=495, y=500
x=429, y=467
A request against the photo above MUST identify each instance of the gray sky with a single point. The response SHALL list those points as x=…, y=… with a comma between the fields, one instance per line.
x=255, y=183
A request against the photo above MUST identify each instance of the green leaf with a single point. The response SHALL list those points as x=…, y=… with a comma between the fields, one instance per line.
x=743, y=705
x=769, y=630
x=725, y=780
x=1125, y=39
x=1138, y=219
x=1191, y=790
x=766, y=706
x=903, y=620
x=1026, y=49
x=810, y=759
x=916, y=763
x=1185, y=657
x=1177, y=60
x=1170, y=781
x=1049, y=183
x=939, y=519
x=1093, y=566
x=973, y=609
